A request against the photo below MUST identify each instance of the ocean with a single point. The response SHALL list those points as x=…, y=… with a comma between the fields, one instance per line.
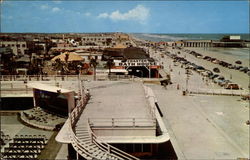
x=177, y=37
x=235, y=53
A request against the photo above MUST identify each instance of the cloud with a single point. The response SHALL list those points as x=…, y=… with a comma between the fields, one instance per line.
x=87, y=14
x=57, y=1
x=45, y=6
x=139, y=13
x=56, y=9
x=103, y=15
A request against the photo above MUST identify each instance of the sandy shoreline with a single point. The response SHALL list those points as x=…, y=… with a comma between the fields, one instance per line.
x=218, y=53
x=238, y=77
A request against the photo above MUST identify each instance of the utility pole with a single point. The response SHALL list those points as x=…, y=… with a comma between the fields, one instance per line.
x=187, y=78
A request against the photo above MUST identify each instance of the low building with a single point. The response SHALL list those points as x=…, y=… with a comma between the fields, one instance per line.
x=87, y=56
x=135, y=60
x=97, y=40
x=18, y=47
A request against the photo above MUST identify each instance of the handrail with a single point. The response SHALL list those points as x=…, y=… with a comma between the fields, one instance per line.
x=122, y=122
x=102, y=145
x=110, y=148
x=62, y=77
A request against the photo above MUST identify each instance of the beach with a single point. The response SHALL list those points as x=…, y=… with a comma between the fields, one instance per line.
x=238, y=77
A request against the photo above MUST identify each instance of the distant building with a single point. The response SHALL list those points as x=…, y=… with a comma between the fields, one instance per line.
x=89, y=55
x=97, y=40
x=61, y=45
x=197, y=43
x=135, y=60
x=18, y=47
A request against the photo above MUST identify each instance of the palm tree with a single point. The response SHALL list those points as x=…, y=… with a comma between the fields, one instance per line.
x=59, y=65
x=110, y=63
x=93, y=63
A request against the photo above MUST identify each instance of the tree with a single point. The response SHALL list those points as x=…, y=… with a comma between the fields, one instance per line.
x=110, y=63
x=58, y=65
x=93, y=63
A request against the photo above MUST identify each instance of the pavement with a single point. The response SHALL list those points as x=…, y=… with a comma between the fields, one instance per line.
x=202, y=126
x=205, y=127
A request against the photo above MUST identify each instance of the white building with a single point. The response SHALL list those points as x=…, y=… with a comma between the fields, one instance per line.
x=99, y=40
x=18, y=47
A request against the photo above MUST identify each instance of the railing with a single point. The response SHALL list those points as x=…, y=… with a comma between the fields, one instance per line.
x=63, y=77
x=220, y=92
x=77, y=144
x=121, y=122
x=110, y=148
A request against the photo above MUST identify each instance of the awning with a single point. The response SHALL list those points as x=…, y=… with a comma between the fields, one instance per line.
x=72, y=57
x=48, y=88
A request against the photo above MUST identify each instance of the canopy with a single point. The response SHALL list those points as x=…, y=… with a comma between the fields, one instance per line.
x=48, y=88
x=72, y=57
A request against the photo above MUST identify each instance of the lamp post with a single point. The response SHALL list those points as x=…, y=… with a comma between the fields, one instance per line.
x=187, y=78
x=79, y=79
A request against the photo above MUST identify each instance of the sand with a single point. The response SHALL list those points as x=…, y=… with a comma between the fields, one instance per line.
x=238, y=77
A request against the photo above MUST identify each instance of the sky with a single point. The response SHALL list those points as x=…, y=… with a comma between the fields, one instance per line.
x=204, y=16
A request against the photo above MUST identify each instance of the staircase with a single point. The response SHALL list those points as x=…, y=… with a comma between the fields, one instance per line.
x=94, y=150
x=86, y=143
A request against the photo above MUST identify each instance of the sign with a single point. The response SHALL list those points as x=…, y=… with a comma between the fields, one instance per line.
x=118, y=67
x=154, y=67
x=137, y=62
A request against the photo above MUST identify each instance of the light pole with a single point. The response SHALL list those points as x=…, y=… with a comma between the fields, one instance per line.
x=79, y=80
x=187, y=72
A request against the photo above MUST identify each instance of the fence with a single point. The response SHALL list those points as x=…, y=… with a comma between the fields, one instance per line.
x=224, y=92
x=122, y=122
x=63, y=77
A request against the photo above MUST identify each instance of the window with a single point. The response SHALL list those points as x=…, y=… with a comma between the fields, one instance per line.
x=138, y=148
x=18, y=45
x=23, y=45
x=13, y=45
x=146, y=147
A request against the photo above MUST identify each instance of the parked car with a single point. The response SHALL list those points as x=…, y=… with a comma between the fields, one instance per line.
x=224, y=83
x=214, y=76
x=233, y=86
x=218, y=79
x=243, y=69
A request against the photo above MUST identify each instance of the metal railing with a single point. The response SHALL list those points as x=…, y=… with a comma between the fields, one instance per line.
x=122, y=122
x=223, y=92
x=64, y=77
x=109, y=148
x=78, y=144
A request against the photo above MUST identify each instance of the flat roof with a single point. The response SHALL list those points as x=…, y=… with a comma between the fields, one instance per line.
x=48, y=88
x=116, y=99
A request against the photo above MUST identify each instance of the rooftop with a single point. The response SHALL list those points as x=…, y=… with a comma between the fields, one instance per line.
x=116, y=100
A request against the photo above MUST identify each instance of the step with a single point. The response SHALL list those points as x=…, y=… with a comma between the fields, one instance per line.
x=82, y=133
x=81, y=130
x=84, y=138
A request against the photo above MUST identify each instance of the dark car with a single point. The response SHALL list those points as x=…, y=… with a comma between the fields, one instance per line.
x=214, y=76
x=244, y=69
x=165, y=82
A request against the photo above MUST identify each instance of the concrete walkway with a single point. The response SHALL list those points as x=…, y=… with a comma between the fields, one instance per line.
x=204, y=127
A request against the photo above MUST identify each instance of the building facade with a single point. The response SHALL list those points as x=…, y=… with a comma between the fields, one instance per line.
x=18, y=47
